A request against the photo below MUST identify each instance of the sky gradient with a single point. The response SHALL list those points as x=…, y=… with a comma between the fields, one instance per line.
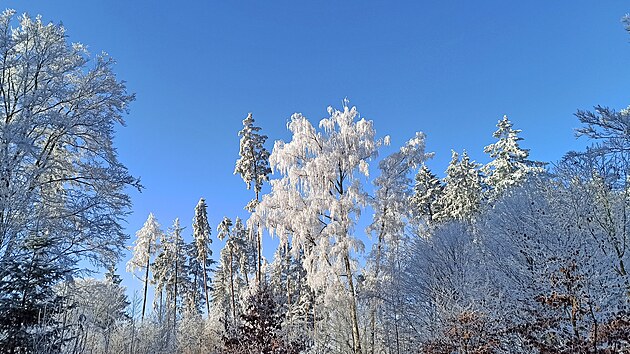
x=450, y=69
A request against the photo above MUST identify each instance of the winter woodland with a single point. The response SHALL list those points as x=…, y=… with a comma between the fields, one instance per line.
x=511, y=256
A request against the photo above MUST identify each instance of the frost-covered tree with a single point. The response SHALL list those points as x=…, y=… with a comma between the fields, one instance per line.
x=253, y=166
x=260, y=328
x=231, y=283
x=226, y=265
x=293, y=295
x=461, y=199
x=145, y=247
x=318, y=198
x=60, y=178
x=427, y=194
x=169, y=270
x=201, y=235
x=446, y=294
x=510, y=165
x=29, y=304
x=391, y=215
x=97, y=308
x=193, y=294
x=559, y=291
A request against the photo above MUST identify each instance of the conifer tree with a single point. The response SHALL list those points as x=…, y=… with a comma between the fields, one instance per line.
x=145, y=247
x=169, y=268
x=237, y=260
x=193, y=293
x=253, y=166
x=510, y=166
x=427, y=193
x=29, y=305
x=462, y=192
x=201, y=235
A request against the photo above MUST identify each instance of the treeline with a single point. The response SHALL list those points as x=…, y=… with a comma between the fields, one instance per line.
x=512, y=256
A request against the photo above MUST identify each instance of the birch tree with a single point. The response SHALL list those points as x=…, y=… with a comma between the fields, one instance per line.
x=145, y=247
x=391, y=215
x=318, y=199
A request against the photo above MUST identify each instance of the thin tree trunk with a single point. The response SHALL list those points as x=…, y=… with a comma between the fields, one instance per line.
x=356, y=341
x=288, y=260
x=232, y=289
x=259, y=246
x=259, y=237
x=146, y=285
x=205, y=285
x=175, y=297
x=379, y=251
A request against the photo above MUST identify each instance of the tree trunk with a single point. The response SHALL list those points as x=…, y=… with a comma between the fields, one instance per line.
x=175, y=295
x=146, y=285
x=205, y=285
x=259, y=237
x=356, y=341
x=232, y=289
x=259, y=247
x=379, y=251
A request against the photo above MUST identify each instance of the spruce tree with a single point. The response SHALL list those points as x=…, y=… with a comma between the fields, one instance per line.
x=201, y=235
x=253, y=166
x=510, y=165
x=462, y=191
x=427, y=192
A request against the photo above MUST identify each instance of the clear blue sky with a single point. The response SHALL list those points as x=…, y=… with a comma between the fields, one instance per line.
x=448, y=68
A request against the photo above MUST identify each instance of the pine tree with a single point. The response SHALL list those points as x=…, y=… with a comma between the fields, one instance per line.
x=510, y=166
x=462, y=192
x=253, y=166
x=428, y=191
x=145, y=248
x=201, y=235
x=28, y=303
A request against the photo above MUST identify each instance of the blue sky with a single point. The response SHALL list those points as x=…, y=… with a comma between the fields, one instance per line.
x=448, y=68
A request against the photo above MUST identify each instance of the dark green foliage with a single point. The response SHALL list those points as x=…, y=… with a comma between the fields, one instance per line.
x=29, y=304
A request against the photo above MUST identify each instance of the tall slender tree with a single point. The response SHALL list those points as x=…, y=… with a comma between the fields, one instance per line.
x=201, y=234
x=145, y=247
x=391, y=215
x=253, y=166
x=170, y=273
